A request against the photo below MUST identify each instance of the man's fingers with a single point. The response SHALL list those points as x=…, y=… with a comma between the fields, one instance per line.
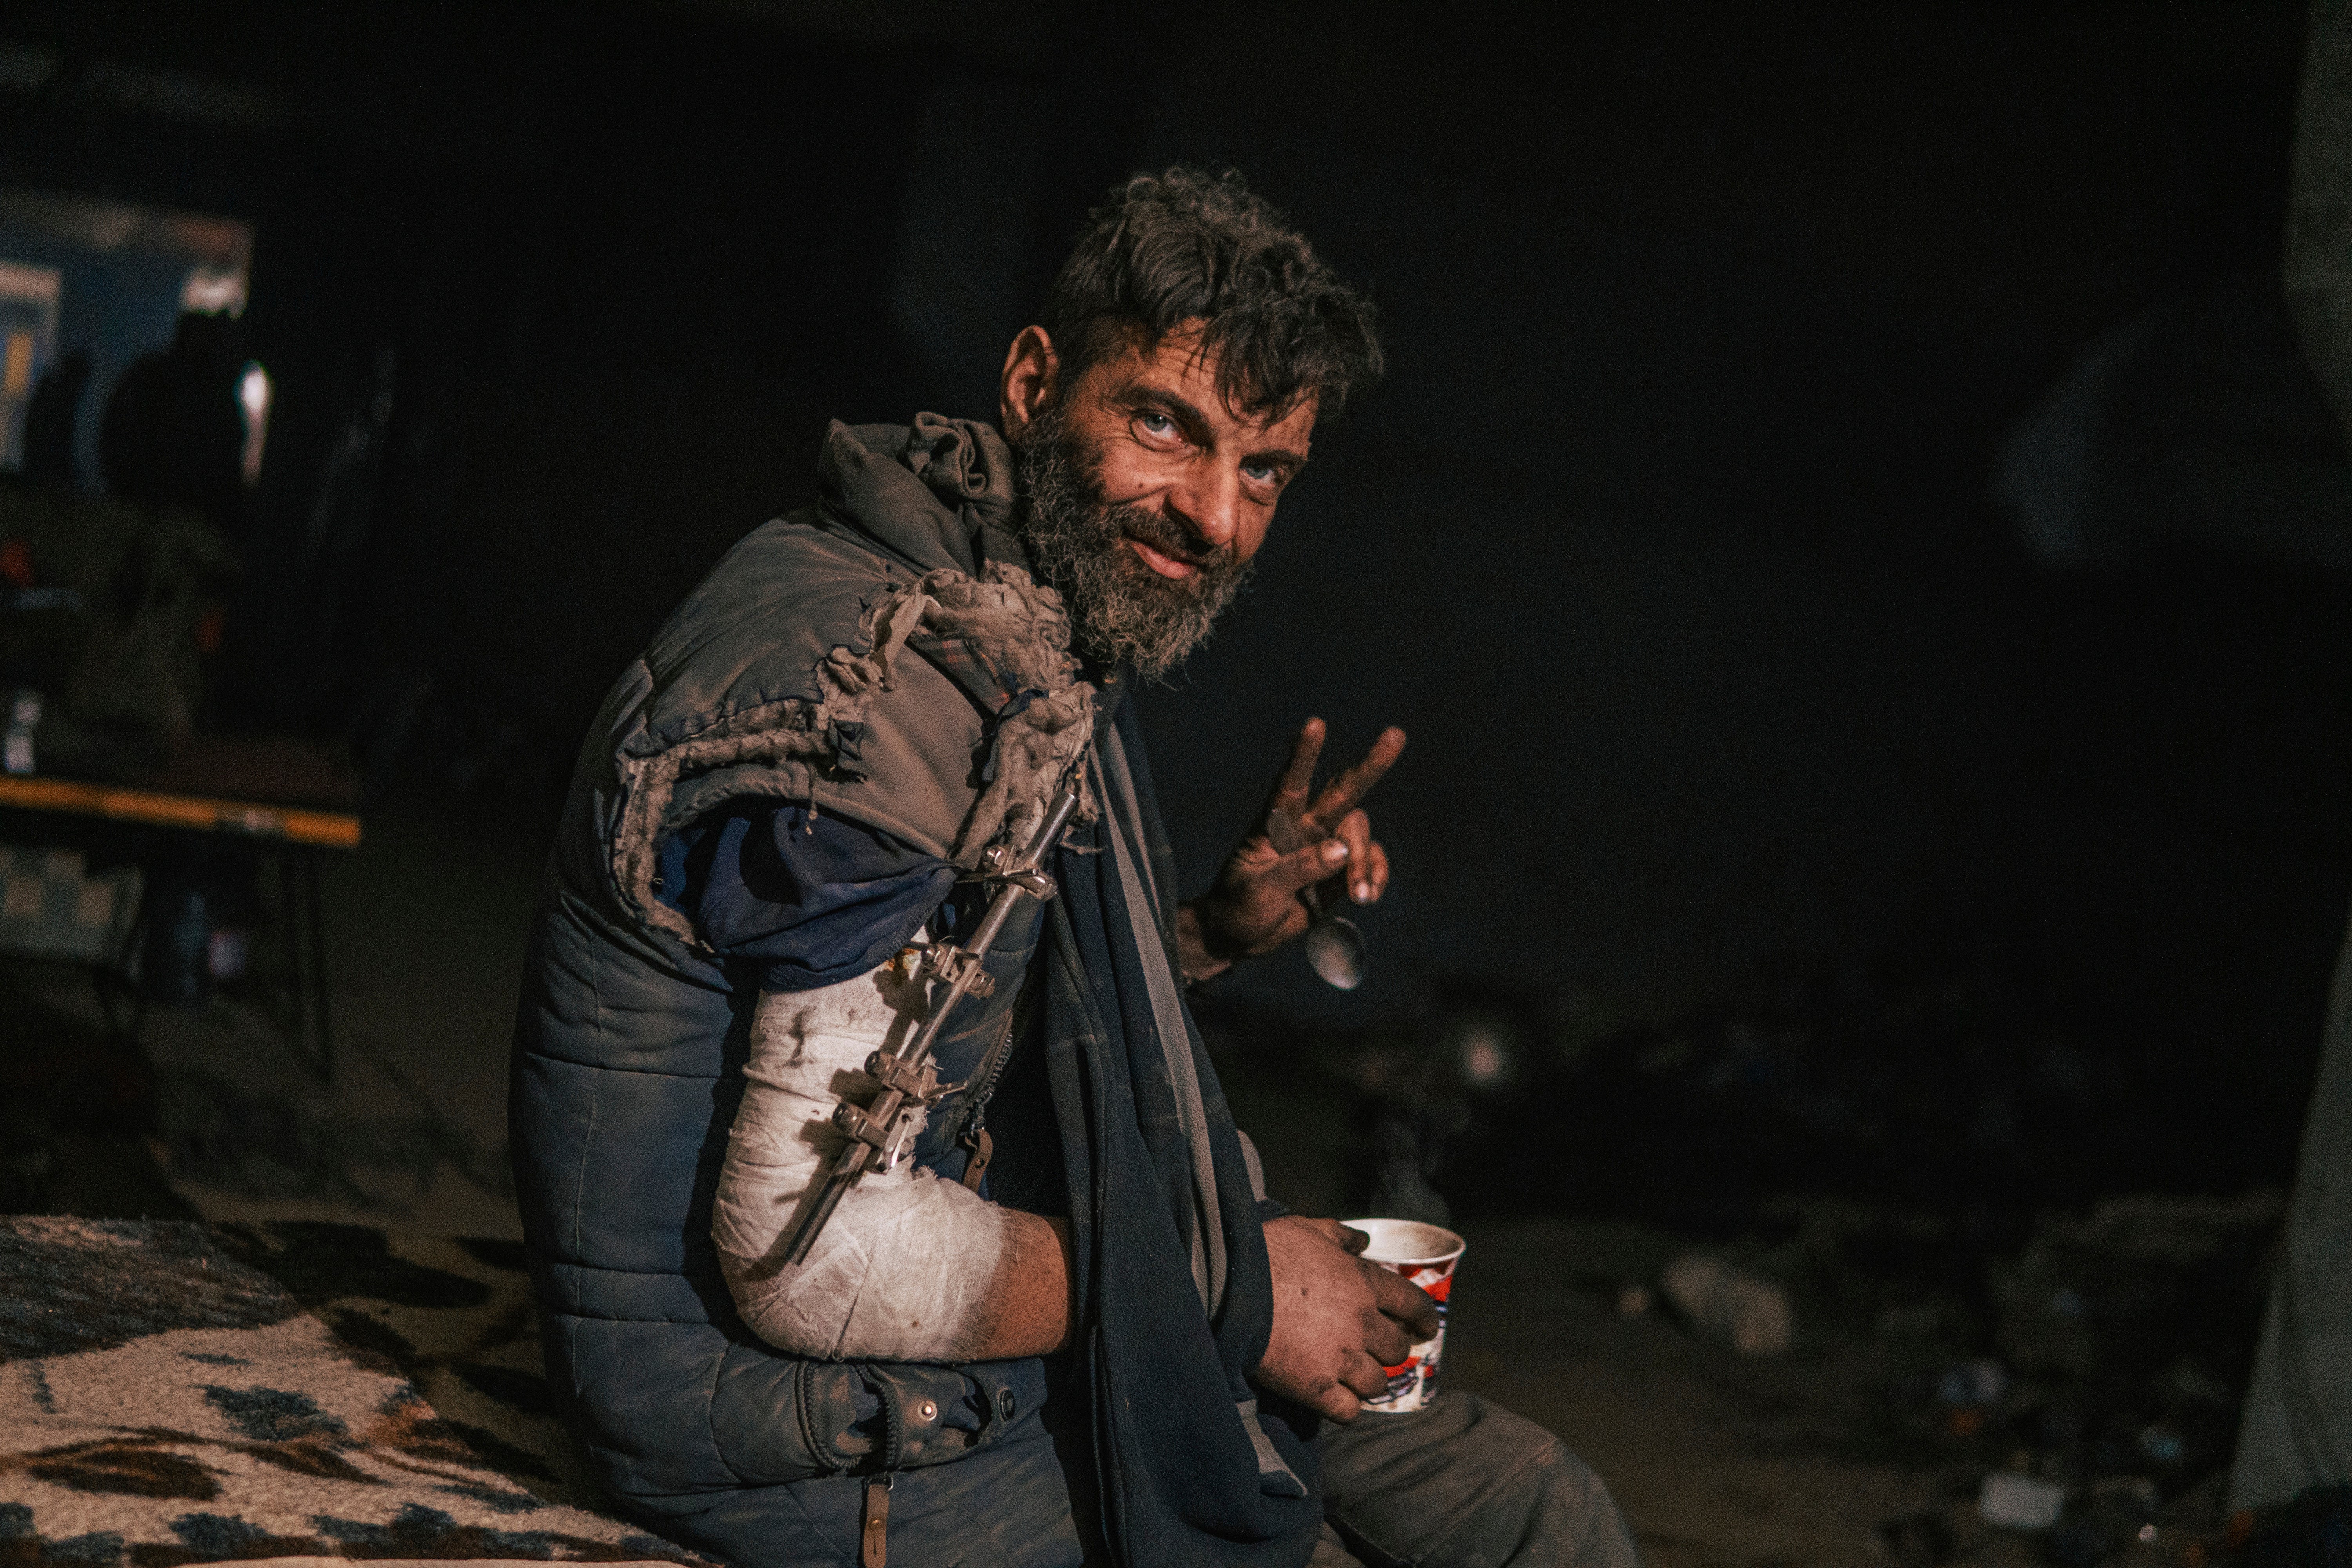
x=1362, y=1376
x=1356, y=833
x=1338, y=1234
x=1300, y=772
x=1387, y=1340
x=1338, y=1402
x=1302, y=868
x=1340, y=795
x=1379, y=877
x=1407, y=1303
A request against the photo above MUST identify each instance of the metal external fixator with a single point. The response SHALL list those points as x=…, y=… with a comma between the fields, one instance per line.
x=892, y=1133
x=996, y=865
x=916, y=1081
x=881, y=1132
x=889, y=1137
x=952, y=964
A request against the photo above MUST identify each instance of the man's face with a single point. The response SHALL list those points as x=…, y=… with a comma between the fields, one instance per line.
x=1145, y=496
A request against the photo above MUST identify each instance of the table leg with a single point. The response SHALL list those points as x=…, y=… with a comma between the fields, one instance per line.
x=304, y=935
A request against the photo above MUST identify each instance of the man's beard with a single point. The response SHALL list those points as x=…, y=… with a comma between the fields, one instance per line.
x=1121, y=611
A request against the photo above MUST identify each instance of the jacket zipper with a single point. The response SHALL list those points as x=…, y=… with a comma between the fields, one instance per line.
x=980, y=1149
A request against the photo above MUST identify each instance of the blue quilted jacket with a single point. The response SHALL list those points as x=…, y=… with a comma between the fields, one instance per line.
x=630, y=1038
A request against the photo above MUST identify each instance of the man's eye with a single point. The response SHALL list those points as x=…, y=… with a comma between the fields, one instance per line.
x=1155, y=423
x=1262, y=473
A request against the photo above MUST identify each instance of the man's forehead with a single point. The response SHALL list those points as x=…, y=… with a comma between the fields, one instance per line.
x=1182, y=366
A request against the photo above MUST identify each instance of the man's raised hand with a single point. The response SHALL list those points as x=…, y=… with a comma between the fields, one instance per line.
x=1302, y=837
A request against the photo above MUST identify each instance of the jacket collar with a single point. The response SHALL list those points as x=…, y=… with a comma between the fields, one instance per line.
x=937, y=493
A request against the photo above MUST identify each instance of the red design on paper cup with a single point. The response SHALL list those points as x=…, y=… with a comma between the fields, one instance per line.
x=1426, y=1255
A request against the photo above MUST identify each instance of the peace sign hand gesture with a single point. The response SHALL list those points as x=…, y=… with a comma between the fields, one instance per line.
x=1255, y=905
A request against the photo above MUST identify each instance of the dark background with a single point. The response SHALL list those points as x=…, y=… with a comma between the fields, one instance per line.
x=1847, y=526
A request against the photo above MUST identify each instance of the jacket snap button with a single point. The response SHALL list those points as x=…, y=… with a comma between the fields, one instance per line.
x=1005, y=1403
x=927, y=1410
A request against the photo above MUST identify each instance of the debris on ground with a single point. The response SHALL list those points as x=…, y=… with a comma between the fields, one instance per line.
x=1717, y=1298
x=2020, y=1502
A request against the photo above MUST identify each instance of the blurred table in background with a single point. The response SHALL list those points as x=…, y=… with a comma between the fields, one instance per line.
x=115, y=857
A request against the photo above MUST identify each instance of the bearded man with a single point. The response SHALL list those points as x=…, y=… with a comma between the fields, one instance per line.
x=1070, y=1328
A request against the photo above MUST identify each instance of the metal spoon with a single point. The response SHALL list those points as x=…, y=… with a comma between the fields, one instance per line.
x=1335, y=946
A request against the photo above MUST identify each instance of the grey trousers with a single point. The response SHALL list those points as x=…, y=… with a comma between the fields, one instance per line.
x=1462, y=1483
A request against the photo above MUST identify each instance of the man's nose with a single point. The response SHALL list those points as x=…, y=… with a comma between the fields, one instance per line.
x=1209, y=504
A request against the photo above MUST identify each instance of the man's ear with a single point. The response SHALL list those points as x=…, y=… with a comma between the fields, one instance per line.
x=1032, y=375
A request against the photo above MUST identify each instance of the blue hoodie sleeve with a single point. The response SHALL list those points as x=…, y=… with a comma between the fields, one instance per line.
x=812, y=900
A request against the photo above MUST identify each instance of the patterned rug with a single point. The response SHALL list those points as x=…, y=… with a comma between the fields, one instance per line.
x=173, y=1393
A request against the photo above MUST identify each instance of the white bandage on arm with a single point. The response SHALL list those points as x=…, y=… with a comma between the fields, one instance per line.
x=902, y=1270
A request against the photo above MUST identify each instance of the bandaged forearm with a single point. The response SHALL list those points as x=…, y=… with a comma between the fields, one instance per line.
x=902, y=1271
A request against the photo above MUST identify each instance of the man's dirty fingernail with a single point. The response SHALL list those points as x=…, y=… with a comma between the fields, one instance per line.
x=1363, y=893
x=1335, y=851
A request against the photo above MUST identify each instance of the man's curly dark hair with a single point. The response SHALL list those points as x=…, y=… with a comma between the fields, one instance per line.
x=1188, y=245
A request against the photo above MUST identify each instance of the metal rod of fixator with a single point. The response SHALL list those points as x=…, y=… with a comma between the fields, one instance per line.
x=903, y=1073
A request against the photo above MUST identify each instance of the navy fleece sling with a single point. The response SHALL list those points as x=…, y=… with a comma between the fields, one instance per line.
x=1191, y=1469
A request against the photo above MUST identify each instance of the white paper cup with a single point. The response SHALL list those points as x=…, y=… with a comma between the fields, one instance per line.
x=1426, y=1255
